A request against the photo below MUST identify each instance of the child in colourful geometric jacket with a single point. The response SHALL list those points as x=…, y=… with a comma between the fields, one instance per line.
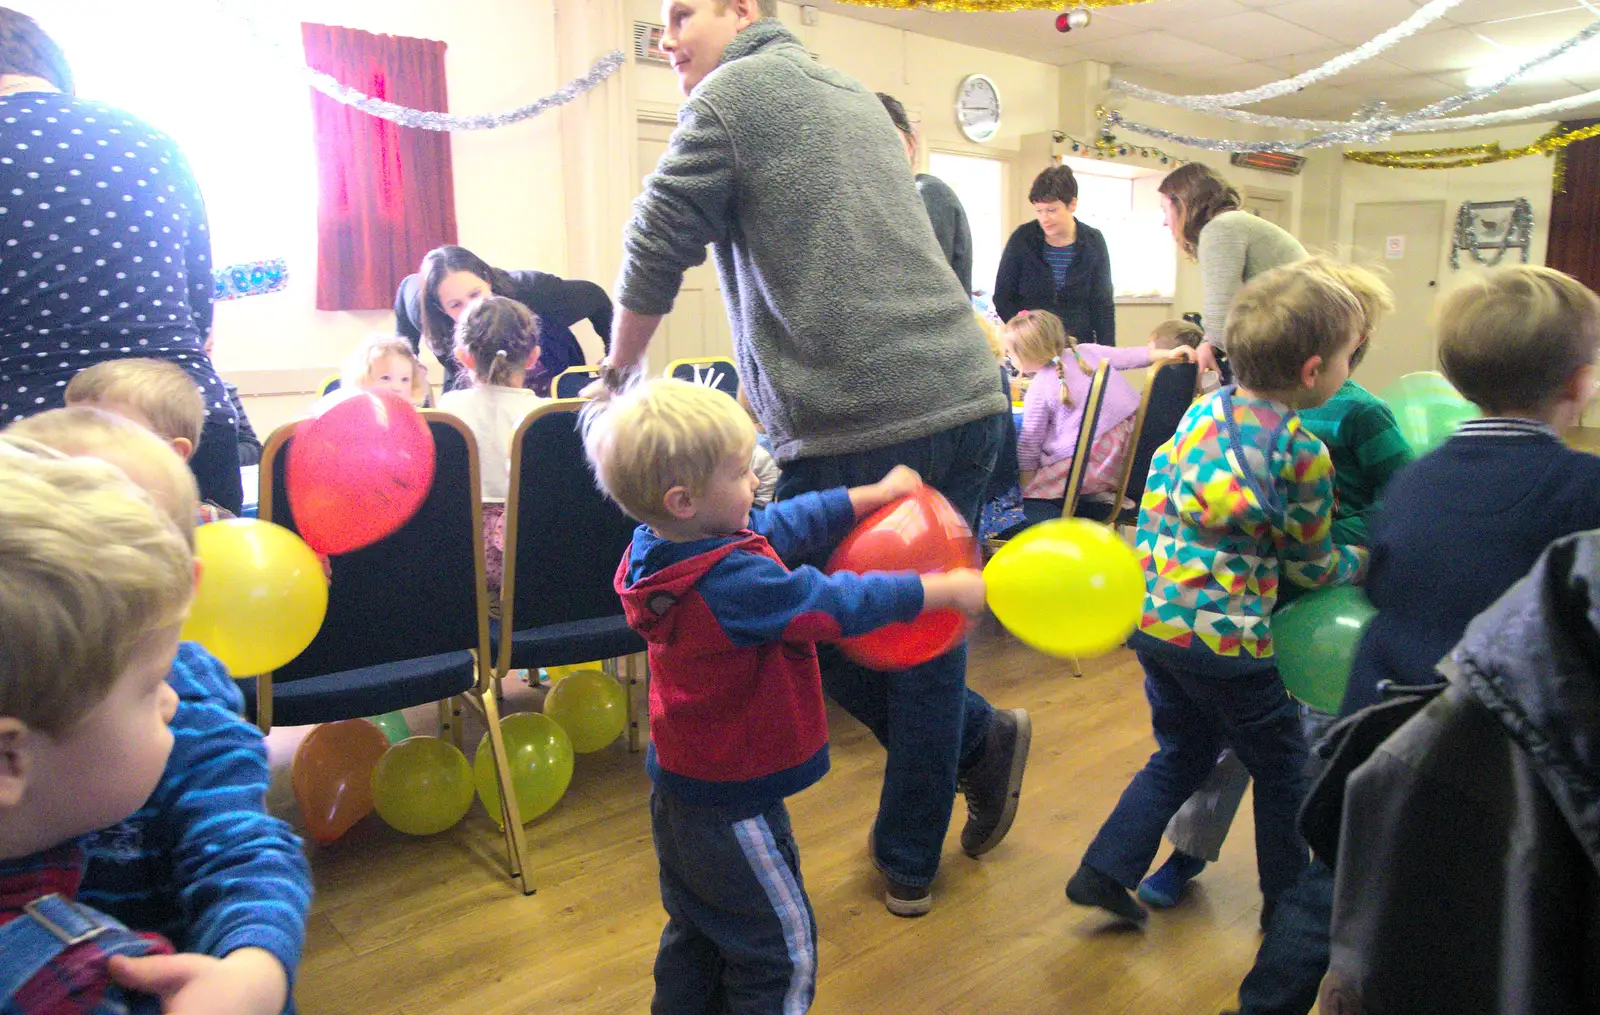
x=736, y=713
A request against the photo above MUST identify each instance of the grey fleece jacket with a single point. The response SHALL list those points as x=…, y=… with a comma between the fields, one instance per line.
x=850, y=330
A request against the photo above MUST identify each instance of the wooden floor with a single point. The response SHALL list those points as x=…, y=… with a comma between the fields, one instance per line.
x=433, y=926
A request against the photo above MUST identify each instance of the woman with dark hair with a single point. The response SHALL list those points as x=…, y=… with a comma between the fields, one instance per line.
x=1059, y=264
x=1231, y=245
x=949, y=218
x=452, y=277
x=106, y=254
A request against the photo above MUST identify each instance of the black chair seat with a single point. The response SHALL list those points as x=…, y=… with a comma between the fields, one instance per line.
x=370, y=690
x=576, y=641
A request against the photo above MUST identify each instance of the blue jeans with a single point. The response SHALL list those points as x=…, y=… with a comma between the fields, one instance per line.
x=740, y=935
x=1194, y=717
x=927, y=719
x=1294, y=954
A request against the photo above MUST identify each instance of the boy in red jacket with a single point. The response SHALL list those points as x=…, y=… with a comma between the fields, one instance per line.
x=736, y=714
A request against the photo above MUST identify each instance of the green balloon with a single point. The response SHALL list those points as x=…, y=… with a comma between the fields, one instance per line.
x=1314, y=640
x=393, y=725
x=1427, y=409
x=539, y=754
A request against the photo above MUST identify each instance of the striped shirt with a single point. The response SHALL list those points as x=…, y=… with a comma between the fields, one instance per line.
x=1367, y=449
x=202, y=862
x=1060, y=260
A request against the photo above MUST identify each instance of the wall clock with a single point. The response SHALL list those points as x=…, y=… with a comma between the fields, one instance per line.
x=978, y=107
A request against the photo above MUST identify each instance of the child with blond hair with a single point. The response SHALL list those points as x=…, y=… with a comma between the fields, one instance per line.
x=731, y=631
x=95, y=581
x=1052, y=410
x=1241, y=497
x=387, y=363
x=200, y=861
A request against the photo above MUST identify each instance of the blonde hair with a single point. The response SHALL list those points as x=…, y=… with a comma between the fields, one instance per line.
x=501, y=334
x=358, y=365
x=152, y=465
x=1040, y=335
x=1285, y=316
x=1511, y=338
x=89, y=568
x=1370, y=290
x=660, y=434
x=164, y=392
x=1171, y=334
x=991, y=335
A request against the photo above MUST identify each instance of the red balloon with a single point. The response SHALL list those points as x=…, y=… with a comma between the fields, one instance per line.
x=920, y=532
x=358, y=470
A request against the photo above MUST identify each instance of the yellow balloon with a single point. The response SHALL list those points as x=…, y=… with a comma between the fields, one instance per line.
x=1068, y=587
x=262, y=595
x=422, y=786
x=591, y=707
x=560, y=673
x=539, y=754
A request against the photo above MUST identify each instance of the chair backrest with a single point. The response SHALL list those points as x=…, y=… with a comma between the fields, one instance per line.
x=418, y=592
x=564, y=538
x=570, y=382
x=1168, y=393
x=713, y=371
x=1080, y=456
x=329, y=384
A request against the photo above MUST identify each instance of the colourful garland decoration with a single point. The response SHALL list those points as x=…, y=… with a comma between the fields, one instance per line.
x=251, y=278
x=1552, y=143
x=990, y=6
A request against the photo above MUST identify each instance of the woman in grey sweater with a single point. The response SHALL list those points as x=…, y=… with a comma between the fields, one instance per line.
x=1232, y=246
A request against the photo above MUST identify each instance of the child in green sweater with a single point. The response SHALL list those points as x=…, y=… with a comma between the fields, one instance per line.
x=1367, y=449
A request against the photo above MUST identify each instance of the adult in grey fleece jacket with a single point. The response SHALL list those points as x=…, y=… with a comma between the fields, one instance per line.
x=850, y=331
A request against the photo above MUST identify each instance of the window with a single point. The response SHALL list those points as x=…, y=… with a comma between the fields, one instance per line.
x=1121, y=201
x=238, y=111
x=980, y=184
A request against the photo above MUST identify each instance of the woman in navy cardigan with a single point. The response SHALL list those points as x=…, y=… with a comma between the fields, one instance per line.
x=1059, y=264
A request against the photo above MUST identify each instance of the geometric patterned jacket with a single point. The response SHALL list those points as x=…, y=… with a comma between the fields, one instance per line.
x=1241, y=493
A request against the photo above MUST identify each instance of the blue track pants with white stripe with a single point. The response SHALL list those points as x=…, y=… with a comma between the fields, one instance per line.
x=740, y=937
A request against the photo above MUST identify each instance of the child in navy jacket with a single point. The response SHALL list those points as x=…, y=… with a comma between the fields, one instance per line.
x=736, y=712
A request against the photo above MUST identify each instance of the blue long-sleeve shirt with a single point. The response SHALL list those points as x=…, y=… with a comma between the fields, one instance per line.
x=202, y=862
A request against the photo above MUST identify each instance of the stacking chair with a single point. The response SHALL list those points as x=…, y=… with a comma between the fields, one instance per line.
x=407, y=621
x=1167, y=396
x=564, y=541
x=1080, y=456
x=329, y=384
x=570, y=382
x=715, y=371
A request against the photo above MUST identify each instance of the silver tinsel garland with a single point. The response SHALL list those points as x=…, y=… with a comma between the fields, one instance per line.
x=1423, y=17
x=426, y=120
x=1360, y=131
x=1537, y=111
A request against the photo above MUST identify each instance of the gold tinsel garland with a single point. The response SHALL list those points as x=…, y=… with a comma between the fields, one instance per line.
x=990, y=6
x=1552, y=143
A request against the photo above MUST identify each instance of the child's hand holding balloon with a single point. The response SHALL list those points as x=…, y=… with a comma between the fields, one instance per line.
x=962, y=589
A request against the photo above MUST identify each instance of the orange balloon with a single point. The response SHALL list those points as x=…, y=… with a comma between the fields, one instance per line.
x=920, y=532
x=332, y=775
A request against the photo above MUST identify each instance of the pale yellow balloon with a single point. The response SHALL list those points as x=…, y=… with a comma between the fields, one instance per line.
x=1068, y=587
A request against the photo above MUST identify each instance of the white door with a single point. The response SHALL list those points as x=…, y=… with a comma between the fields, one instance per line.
x=698, y=324
x=1407, y=239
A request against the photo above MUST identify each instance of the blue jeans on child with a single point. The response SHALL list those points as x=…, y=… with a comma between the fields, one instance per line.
x=740, y=936
x=927, y=719
x=1194, y=717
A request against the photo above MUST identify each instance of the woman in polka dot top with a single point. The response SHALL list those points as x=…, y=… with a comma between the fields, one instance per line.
x=104, y=251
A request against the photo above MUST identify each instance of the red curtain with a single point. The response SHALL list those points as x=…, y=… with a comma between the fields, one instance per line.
x=1575, y=213
x=385, y=193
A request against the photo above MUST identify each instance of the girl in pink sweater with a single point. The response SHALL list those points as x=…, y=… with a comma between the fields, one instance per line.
x=1052, y=411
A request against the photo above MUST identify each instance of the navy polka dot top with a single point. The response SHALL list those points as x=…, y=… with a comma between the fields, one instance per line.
x=104, y=252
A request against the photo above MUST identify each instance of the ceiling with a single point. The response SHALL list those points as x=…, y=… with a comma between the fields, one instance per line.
x=1225, y=45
